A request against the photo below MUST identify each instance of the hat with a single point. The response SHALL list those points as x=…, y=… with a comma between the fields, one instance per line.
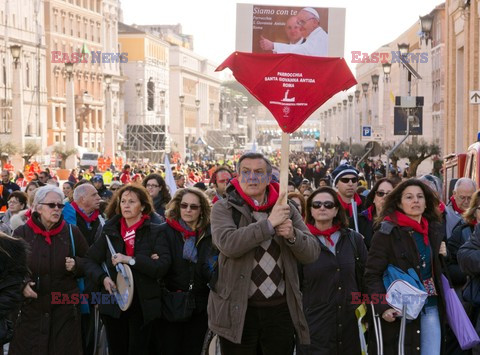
x=97, y=178
x=341, y=170
x=312, y=11
x=305, y=182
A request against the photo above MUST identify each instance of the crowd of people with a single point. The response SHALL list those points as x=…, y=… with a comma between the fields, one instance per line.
x=221, y=253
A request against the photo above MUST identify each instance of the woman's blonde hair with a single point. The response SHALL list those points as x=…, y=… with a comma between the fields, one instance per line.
x=469, y=214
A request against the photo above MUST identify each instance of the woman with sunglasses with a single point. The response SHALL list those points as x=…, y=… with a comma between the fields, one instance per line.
x=134, y=238
x=330, y=282
x=374, y=203
x=187, y=263
x=49, y=322
x=409, y=237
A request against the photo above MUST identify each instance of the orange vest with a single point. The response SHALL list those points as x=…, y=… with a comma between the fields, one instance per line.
x=3, y=208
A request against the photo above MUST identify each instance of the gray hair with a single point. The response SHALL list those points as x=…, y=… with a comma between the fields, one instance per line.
x=253, y=155
x=81, y=191
x=434, y=183
x=43, y=191
x=463, y=181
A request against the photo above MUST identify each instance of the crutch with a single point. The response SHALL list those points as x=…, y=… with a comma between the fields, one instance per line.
x=377, y=323
x=354, y=214
x=403, y=324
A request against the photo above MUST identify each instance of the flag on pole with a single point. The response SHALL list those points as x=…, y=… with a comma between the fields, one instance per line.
x=169, y=180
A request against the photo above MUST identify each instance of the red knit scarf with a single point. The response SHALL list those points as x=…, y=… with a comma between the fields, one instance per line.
x=455, y=206
x=404, y=221
x=272, y=198
x=46, y=234
x=178, y=227
x=128, y=233
x=215, y=199
x=87, y=219
x=327, y=233
x=348, y=206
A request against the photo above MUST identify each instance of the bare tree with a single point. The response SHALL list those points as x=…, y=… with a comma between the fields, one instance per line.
x=63, y=153
x=416, y=153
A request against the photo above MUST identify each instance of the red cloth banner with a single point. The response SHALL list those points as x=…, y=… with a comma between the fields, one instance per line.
x=291, y=86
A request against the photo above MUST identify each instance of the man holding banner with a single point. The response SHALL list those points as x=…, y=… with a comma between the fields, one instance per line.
x=256, y=301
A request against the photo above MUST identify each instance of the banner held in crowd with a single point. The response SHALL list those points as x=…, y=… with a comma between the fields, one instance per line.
x=291, y=87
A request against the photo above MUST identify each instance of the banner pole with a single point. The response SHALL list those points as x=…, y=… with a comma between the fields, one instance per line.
x=285, y=153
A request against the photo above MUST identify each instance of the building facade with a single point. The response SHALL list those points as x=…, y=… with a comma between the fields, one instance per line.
x=21, y=23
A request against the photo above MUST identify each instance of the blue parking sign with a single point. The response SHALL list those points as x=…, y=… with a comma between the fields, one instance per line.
x=366, y=131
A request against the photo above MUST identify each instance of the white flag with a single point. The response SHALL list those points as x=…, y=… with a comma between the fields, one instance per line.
x=172, y=186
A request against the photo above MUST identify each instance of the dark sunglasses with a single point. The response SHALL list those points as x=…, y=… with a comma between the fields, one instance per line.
x=114, y=189
x=184, y=206
x=345, y=180
x=327, y=204
x=53, y=205
x=381, y=193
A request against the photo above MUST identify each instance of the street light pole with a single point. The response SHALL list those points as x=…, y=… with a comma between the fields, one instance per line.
x=181, y=145
x=70, y=120
x=109, y=150
x=197, y=105
x=18, y=125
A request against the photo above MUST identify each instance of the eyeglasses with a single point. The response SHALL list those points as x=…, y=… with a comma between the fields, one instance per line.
x=114, y=189
x=184, y=206
x=327, y=204
x=346, y=180
x=381, y=193
x=53, y=205
x=152, y=185
x=302, y=22
x=464, y=198
x=223, y=181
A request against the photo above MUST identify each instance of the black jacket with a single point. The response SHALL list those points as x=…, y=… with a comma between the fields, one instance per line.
x=104, y=193
x=175, y=270
x=460, y=235
x=468, y=255
x=6, y=191
x=365, y=227
x=328, y=285
x=396, y=245
x=146, y=271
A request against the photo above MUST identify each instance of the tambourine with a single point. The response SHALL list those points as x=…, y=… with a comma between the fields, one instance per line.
x=123, y=291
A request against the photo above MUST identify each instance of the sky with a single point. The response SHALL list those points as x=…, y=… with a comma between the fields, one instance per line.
x=369, y=23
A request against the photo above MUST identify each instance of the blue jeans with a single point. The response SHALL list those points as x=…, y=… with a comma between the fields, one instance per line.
x=431, y=335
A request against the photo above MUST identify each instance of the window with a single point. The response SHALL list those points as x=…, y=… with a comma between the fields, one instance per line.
x=27, y=75
x=151, y=95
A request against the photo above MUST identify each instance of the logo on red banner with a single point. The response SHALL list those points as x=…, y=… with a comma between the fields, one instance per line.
x=291, y=86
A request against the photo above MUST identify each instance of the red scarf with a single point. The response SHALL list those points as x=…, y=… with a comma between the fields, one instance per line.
x=348, y=206
x=46, y=234
x=272, y=198
x=87, y=219
x=28, y=214
x=441, y=207
x=178, y=227
x=215, y=199
x=404, y=221
x=128, y=233
x=327, y=233
x=370, y=212
x=455, y=206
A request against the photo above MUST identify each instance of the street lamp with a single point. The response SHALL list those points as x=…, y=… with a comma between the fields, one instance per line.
x=138, y=87
x=197, y=103
x=403, y=48
x=162, y=95
x=426, y=23
x=357, y=95
x=375, y=81
x=181, y=98
x=69, y=70
x=108, y=81
x=365, y=88
x=15, y=50
x=387, y=67
x=350, y=99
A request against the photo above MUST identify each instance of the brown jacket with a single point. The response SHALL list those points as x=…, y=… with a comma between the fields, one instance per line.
x=228, y=305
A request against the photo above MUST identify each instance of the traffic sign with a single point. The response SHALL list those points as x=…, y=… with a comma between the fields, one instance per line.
x=474, y=97
x=366, y=131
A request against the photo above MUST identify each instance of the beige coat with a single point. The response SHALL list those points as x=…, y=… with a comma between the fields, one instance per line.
x=228, y=305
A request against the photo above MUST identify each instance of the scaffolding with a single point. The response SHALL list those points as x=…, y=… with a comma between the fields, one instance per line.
x=145, y=142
